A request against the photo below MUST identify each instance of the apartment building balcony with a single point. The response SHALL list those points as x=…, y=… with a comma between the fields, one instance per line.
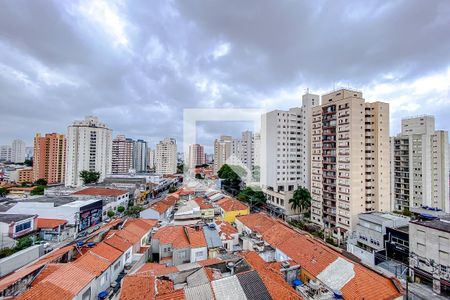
x=330, y=204
x=329, y=220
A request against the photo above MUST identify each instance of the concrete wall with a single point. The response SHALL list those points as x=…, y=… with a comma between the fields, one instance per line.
x=198, y=254
x=150, y=214
x=19, y=259
x=181, y=256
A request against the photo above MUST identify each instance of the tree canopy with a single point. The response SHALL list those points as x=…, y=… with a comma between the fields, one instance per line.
x=301, y=199
x=89, y=176
x=254, y=197
x=3, y=191
x=231, y=178
x=40, y=181
x=38, y=190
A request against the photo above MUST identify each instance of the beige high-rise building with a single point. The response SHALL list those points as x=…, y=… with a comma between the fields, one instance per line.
x=49, y=161
x=420, y=166
x=166, y=157
x=223, y=149
x=196, y=155
x=350, y=160
x=151, y=156
x=122, y=155
x=285, y=153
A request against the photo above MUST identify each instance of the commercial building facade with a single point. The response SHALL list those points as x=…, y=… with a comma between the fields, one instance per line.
x=49, y=160
x=350, y=160
x=89, y=147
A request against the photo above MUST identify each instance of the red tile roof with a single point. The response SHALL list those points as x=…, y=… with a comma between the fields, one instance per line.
x=196, y=237
x=160, y=207
x=230, y=204
x=174, y=295
x=225, y=229
x=150, y=267
x=43, y=223
x=314, y=256
x=174, y=235
x=49, y=269
x=137, y=287
x=202, y=204
x=278, y=288
x=46, y=291
x=97, y=191
x=118, y=242
x=92, y=263
x=106, y=251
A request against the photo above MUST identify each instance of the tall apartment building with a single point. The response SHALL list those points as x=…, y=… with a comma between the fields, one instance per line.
x=196, y=155
x=223, y=149
x=49, y=161
x=89, y=147
x=350, y=160
x=18, y=151
x=285, y=153
x=420, y=166
x=151, y=157
x=140, y=156
x=246, y=144
x=5, y=152
x=122, y=155
x=257, y=149
x=166, y=156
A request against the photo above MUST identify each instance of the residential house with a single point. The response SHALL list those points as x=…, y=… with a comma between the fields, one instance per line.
x=206, y=208
x=17, y=225
x=229, y=235
x=231, y=208
x=320, y=266
x=52, y=229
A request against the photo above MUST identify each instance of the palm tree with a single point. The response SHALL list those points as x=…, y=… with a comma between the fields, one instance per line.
x=301, y=199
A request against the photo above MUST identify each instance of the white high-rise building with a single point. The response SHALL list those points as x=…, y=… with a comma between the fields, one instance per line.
x=151, y=157
x=246, y=149
x=285, y=153
x=140, y=156
x=122, y=155
x=420, y=166
x=18, y=151
x=196, y=155
x=89, y=147
x=5, y=152
x=166, y=157
x=257, y=149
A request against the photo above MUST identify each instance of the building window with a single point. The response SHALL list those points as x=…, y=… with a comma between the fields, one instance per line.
x=23, y=226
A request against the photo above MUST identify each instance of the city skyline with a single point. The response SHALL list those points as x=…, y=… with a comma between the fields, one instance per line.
x=125, y=62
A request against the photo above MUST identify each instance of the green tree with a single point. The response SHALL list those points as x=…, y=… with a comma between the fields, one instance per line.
x=180, y=168
x=28, y=162
x=301, y=199
x=199, y=176
x=251, y=196
x=38, y=190
x=121, y=209
x=40, y=181
x=23, y=243
x=89, y=176
x=110, y=213
x=231, y=178
x=3, y=191
x=133, y=211
x=172, y=189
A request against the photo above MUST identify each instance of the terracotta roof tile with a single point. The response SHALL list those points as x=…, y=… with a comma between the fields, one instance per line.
x=137, y=287
x=174, y=235
x=43, y=223
x=209, y=261
x=160, y=207
x=202, y=204
x=231, y=204
x=96, y=191
x=150, y=267
x=196, y=237
x=174, y=295
x=118, y=242
x=106, y=251
x=49, y=269
x=225, y=229
x=92, y=263
x=164, y=286
x=275, y=284
x=46, y=291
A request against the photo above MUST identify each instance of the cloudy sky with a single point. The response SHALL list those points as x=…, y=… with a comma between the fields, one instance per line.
x=137, y=64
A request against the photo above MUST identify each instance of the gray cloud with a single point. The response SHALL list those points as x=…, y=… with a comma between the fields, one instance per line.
x=137, y=65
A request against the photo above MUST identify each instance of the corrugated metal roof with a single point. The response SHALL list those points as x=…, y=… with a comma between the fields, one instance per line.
x=197, y=278
x=228, y=288
x=337, y=274
x=188, y=266
x=253, y=286
x=201, y=292
x=212, y=237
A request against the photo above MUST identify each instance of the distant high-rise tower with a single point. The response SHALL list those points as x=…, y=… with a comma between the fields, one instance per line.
x=18, y=151
x=151, y=157
x=166, y=157
x=285, y=153
x=420, y=166
x=89, y=147
x=196, y=155
x=122, y=155
x=350, y=160
x=5, y=152
x=140, y=156
x=223, y=149
x=49, y=161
